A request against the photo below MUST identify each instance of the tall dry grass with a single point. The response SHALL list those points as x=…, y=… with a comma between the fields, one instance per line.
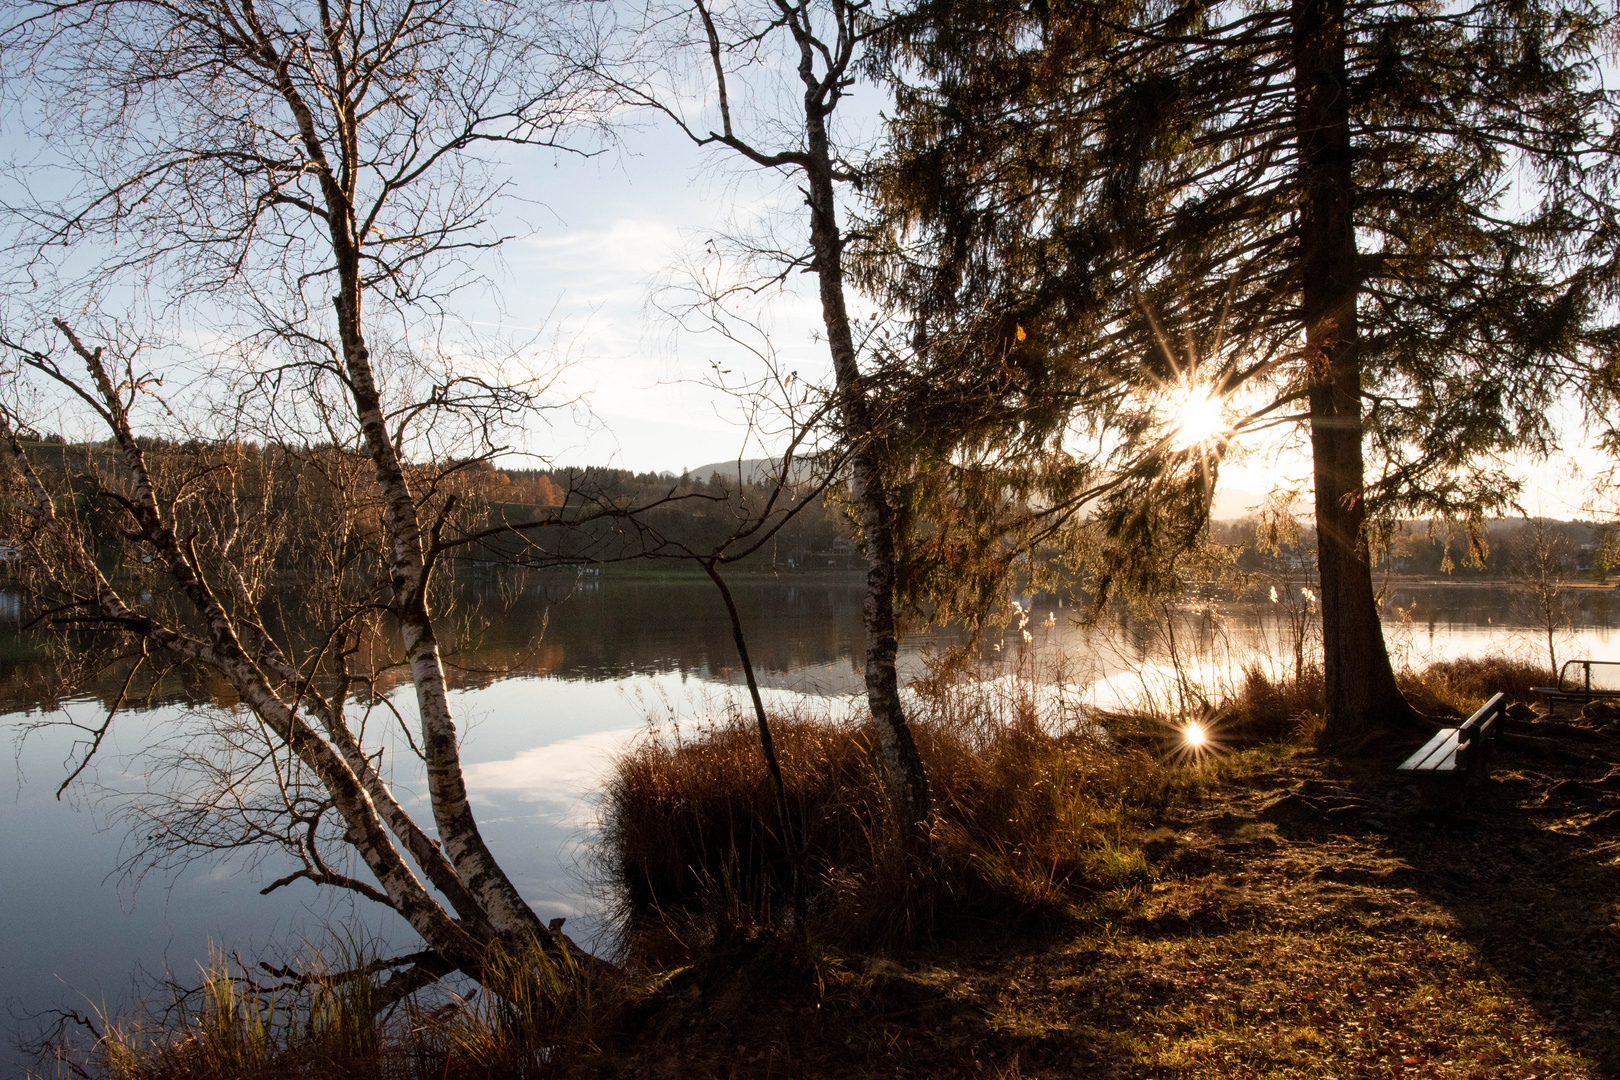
x=1458, y=687
x=237, y=1024
x=1032, y=803
x=1254, y=707
x=526, y=1012
x=1259, y=708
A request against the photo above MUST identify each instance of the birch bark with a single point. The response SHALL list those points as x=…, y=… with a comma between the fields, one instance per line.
x=904, y=773
x=903, y=769
x=224, y=654
x=462, y=841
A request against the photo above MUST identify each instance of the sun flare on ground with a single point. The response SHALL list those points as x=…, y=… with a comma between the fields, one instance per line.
x=1197, y=416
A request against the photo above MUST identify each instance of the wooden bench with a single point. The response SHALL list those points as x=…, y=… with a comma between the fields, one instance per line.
x=1459, y=753
x=1583, y=691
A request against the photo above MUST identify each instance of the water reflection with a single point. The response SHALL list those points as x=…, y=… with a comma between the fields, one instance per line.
x=553, y=681
x=805, y=631
x=609, y=629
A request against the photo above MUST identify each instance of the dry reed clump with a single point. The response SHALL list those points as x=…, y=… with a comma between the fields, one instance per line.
x=235, y=1025
x=527, y=1011
x=1266, y=710
x=1260, y=709
x=530, y=1011
x=1033, y=811
x=1254, y=709
x=1458, y=687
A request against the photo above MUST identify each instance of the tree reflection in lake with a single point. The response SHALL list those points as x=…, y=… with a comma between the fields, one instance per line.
x=805, y=631
x=560, y=674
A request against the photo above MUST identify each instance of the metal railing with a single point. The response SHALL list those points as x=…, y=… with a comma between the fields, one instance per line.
x=1584, y=690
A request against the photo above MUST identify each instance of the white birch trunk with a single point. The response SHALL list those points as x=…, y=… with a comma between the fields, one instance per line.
x=902, y=765
x=224, y=654
x=463, y=844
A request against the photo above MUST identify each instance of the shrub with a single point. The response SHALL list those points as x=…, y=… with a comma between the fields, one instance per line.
x=1458, y=687
x=1027, y=792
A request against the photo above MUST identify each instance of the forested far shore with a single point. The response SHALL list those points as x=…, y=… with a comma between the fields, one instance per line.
x=693, y=512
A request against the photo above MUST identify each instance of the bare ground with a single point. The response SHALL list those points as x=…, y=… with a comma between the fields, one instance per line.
x=1305, y=916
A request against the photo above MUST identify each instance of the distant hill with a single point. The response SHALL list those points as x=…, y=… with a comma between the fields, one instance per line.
x=753, y=470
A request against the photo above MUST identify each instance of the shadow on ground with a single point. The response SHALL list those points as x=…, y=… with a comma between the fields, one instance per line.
x=1527, y=867
x=1305, y=917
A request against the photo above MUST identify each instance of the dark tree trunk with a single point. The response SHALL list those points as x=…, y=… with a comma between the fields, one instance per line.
x=1361, y=690
x=767, y=745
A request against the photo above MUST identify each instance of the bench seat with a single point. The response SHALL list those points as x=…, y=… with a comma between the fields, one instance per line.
x=1439, y=754
x=1463, y=751
x=1581, y=689
x=1560, y=693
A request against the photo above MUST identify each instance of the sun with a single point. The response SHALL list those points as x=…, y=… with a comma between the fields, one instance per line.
x=1198, y=418
x=1195, y=735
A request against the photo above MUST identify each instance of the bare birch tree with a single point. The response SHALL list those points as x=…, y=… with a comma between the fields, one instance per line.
x=1540, y=558
x=295, y=178
x=732, y=50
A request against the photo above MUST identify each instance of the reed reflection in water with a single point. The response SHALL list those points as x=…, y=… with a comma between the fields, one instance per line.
x=556, y=681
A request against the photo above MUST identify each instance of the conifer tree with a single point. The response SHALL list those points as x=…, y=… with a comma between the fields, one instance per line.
x=1381, y=220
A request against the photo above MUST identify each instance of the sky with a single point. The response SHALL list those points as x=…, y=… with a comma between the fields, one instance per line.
x=596, y=244
x=602, y=261
x=598, y=250
x=611, y=232
x=604, y=238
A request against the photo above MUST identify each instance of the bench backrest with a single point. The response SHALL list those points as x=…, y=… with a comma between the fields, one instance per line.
x=1480, y=729
x=1584, y=674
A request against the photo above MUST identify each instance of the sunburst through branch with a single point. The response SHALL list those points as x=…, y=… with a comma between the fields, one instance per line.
x=1198, y=417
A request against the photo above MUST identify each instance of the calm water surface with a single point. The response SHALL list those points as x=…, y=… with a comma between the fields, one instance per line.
x=546, y=696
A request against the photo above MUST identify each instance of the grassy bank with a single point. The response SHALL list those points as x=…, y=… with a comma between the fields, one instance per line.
x=1034, y=803
x=1097, y=906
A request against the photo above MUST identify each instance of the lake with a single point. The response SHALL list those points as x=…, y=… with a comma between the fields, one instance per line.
x=547, y=692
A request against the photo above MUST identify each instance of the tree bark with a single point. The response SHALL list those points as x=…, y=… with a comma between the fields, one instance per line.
x=458, y=830
x=464, y=845
x=1360, y=683
x=901, y=764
